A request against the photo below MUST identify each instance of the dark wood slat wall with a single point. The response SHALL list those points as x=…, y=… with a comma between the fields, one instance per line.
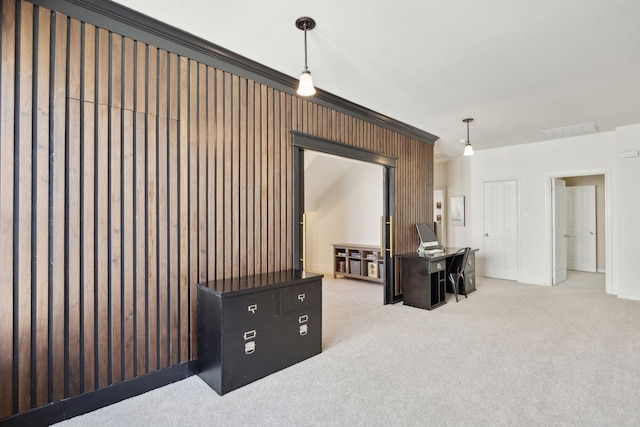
x=127, y=175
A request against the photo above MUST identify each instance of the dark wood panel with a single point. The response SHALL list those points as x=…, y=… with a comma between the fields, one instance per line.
x=140, y=247
x=72, y=269
x=151, y=203
x=183, y=194
x=173, y=290
x=41, y=209
x=88, y=270
x=101, y=210
x=115, y=242
x=58, y=117
x=23, y=210
x=162, y=297
x=7, y=156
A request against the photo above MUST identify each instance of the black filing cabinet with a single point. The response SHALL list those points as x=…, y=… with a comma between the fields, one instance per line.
x=250, y=327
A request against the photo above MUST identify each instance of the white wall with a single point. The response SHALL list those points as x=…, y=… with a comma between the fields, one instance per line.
x=626, y=226
x=348, y=212
x=532, y=166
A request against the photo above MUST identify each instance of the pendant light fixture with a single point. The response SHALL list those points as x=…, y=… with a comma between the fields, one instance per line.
x=305, y=88
x=468, y=149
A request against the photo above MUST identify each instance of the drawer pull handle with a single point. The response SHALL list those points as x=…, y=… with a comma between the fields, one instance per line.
x=303, y=330
x=249, y=335
x=252, y=308
x=303, y=319
x=301, y=297
x=250, y=347
x=438, y=266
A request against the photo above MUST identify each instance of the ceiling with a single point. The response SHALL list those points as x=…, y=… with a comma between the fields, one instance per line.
x=516, y=67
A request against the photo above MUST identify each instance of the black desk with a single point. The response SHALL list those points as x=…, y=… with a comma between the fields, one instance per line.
x=423, y=280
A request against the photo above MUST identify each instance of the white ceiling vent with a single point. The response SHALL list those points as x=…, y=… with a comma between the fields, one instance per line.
x=573, y=130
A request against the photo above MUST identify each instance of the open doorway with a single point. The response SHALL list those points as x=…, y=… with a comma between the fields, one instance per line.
x=579, y=206
x=305, y=143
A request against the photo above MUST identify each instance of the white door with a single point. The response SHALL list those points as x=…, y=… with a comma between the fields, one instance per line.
x=581, y=228
x=559, y=231
x=501, y=229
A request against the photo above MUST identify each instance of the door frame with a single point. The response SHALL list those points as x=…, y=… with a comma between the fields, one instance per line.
x=302, y=142
x=610, y=287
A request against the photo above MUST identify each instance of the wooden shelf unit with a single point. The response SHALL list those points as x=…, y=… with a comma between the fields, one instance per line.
x=358, y=262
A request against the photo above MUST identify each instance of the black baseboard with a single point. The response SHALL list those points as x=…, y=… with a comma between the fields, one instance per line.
x=69, y=408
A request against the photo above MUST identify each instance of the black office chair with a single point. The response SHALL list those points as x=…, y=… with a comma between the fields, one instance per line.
x=456, y=270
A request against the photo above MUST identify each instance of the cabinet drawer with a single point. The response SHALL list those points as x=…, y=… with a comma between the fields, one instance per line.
x=436, y=266
x=249, y=353
x=293, y=298
x=300, y=335
x=250, y=309
x=471, y=263
x=469, y=282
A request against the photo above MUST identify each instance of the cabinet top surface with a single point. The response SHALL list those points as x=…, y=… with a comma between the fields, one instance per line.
x=248, y=284
x=355, y=246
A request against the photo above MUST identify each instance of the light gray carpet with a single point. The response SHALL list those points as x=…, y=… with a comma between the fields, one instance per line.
x=510, y=355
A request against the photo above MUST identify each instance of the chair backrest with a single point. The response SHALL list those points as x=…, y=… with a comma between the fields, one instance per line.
x=459, y=260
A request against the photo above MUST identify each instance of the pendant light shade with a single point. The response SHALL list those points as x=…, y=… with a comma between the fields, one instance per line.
x=305, y=87
x=468, y=149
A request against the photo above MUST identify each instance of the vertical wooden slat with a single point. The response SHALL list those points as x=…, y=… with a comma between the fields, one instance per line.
x=127, y=189
x=87, y=114
x=211, y=173
x=263, y=185
x=140, y=207
x=73, y=245
x=251, y=206
x=101, y=305
x=257, y=187
x=163, y=210
x=88, y=243
x=274, y=180
x=115, y=241
x=173, y=288
x=163, y=244
x=220, y=181
x=202, y=172
x=228, y=179
x=140, y=247
x=152, y=208
x=22, y=218
x=73, y=209
x=57, y=208
x=183, y=174
x=102, y=302
x=41, y=210
x=7, y=156
x=242, y=213
x=192, y=175
x=152, y=243
x=174, y=203
x=271, y=163
x=236, y=192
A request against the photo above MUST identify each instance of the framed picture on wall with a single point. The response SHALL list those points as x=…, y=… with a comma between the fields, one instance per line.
x=456, y=210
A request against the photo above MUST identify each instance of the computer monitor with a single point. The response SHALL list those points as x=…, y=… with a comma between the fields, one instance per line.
x=427, y=235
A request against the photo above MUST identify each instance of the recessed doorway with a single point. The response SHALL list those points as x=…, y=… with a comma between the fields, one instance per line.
x=302, y=143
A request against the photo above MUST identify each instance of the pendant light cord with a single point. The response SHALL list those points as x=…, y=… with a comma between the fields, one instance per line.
x=305, y=47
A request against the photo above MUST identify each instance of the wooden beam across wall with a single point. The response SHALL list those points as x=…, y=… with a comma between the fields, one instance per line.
x=129, y=173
